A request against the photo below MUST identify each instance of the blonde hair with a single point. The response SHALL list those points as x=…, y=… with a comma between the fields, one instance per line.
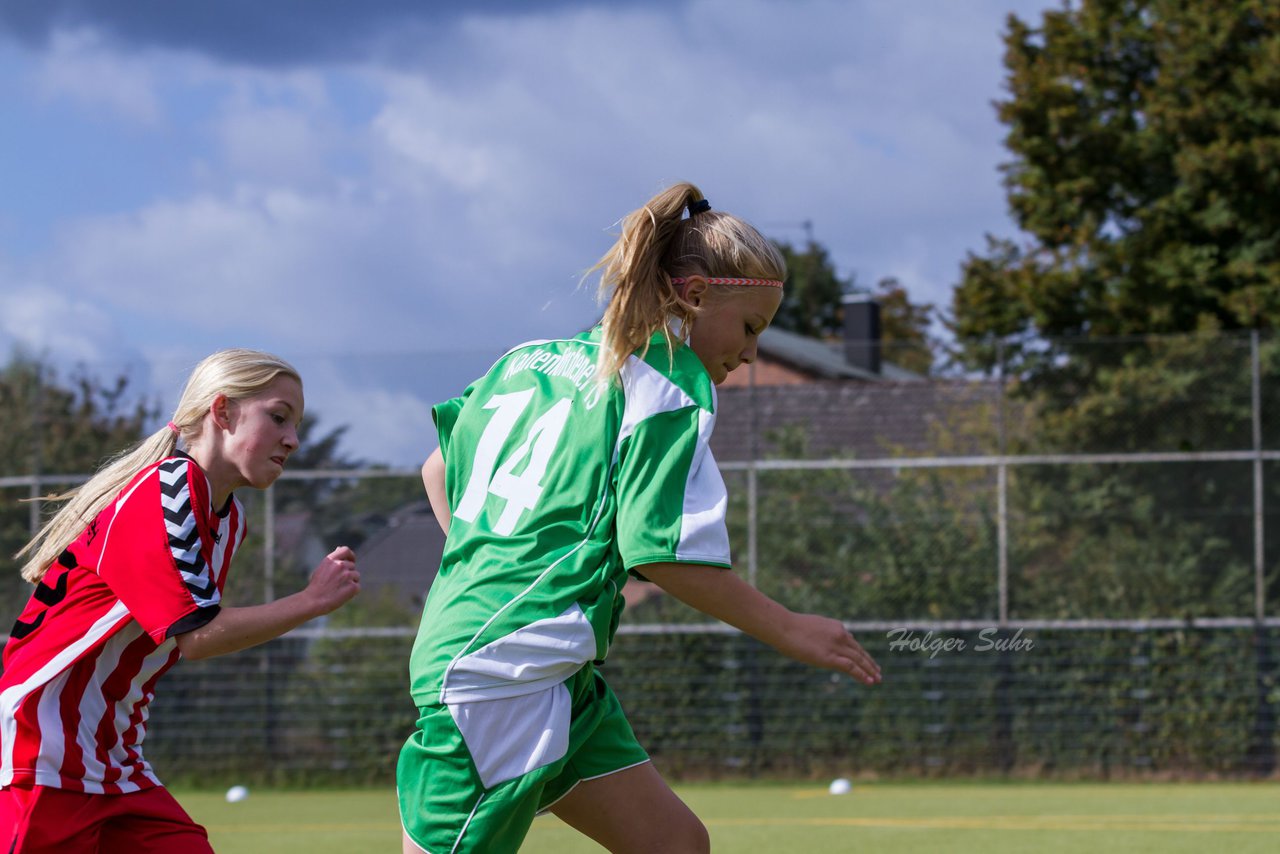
x=658, y=243
x=236, y=373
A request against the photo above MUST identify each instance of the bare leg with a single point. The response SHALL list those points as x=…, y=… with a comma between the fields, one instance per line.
x=633, y=812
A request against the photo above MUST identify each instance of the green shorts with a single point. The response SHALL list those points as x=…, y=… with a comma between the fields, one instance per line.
x=473, y=776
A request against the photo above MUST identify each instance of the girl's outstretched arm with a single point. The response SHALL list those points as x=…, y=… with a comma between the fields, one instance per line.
x=720, y=593
x=433, y=480
x=334, y=582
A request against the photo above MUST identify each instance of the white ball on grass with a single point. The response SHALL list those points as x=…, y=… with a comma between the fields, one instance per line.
x=840, y=786
x=236, y=794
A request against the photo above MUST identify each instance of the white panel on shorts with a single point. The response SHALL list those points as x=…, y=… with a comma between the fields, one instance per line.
x=530, y=659
x=510, y=737
x=508, y=698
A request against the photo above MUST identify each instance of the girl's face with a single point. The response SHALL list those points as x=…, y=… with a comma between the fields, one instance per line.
x=726, y=330
x=259, y=433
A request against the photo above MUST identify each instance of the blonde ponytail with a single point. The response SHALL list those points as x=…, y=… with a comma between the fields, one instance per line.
x=238, y=374
x=87, y=500
x=658, y=243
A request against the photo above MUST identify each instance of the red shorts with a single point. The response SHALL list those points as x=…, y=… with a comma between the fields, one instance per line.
x=147, y=822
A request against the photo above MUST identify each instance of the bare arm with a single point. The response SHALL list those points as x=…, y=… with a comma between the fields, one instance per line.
x=433, y=480
x=332, y=584
x=720, y=593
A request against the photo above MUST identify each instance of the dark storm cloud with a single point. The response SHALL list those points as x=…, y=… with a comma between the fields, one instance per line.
x=273, y=33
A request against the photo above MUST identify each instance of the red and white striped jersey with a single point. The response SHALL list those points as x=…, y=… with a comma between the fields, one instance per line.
x=82, y=662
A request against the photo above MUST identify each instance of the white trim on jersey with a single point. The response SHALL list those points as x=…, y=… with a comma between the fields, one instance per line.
x=534, y=343
x=647, y=392
x=118, y=755
x=514, y=599
x=93, y=706
x=12, y=698
x=533, y=657
x=218, y=565
x=154, y=662
x=703, y=534
x=49, y=713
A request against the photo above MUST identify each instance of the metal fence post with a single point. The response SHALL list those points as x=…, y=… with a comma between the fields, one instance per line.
x=33, y=509
x=752, y=517
x=753, y=482
x=269, y=595
x=269, y=544
x=37, y=453
x=1002, y=494
x=1262, y=750
x=1259, y=519
x=1002, y=536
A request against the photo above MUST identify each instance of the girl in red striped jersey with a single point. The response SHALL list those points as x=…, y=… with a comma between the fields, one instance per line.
x=119, y=600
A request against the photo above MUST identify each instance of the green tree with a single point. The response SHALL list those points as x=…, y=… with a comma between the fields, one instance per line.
x=905, y=327
x=1145, y=142
x=811, y=301
x=54, y=425
x=812, y=306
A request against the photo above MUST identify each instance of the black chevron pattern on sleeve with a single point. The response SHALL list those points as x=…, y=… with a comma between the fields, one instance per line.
x=46, y=595
x=184, y=534
x=20, y=629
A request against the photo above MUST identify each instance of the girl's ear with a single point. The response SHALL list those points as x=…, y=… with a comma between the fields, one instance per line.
x=220, y=410
x=695, y=290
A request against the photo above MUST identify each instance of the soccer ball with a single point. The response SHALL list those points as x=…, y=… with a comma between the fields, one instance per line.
x=236, y=794
x=840, y=786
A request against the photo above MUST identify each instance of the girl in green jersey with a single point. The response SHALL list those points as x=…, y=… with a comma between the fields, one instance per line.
x=569, y=464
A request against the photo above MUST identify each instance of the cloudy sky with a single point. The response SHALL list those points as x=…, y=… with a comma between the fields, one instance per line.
x=392, y=192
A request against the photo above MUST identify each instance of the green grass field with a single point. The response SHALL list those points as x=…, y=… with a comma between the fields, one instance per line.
x=891, y=818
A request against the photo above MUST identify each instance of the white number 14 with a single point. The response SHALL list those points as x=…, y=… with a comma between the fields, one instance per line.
x=521, y=491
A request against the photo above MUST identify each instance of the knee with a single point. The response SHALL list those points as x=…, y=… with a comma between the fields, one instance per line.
x=702, y=840
x=691, y=836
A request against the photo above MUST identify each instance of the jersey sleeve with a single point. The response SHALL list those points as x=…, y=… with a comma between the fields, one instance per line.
x=154, y=556
x=445, y=415
x=671, y=497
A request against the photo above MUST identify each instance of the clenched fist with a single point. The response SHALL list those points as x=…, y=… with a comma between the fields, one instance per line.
x=335, y=580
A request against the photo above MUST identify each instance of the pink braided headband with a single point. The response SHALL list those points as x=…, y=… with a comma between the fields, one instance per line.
x=763, y=283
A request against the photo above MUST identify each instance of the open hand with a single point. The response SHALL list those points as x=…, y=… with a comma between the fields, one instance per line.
x=824, y=642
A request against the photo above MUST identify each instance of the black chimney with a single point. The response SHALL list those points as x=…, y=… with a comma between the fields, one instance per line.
x=862, y=331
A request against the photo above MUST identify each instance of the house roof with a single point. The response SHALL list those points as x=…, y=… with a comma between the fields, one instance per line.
x=824, y=359
x=858, y=419
x=405, y=554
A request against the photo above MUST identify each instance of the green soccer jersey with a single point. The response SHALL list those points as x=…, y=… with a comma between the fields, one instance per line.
x=557, y=486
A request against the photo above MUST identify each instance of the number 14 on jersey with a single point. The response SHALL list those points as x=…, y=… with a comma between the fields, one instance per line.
x=488, y=477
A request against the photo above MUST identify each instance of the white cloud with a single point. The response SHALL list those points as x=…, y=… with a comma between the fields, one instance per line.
x=385, y=401
x=450, y=203
x=394, y=428
x=79, y=66
x=297, y=270
x=40, y=321
x=271, y=143
x=871, y=122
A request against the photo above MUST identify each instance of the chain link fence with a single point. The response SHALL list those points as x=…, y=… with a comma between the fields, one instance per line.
x=1066, y=565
